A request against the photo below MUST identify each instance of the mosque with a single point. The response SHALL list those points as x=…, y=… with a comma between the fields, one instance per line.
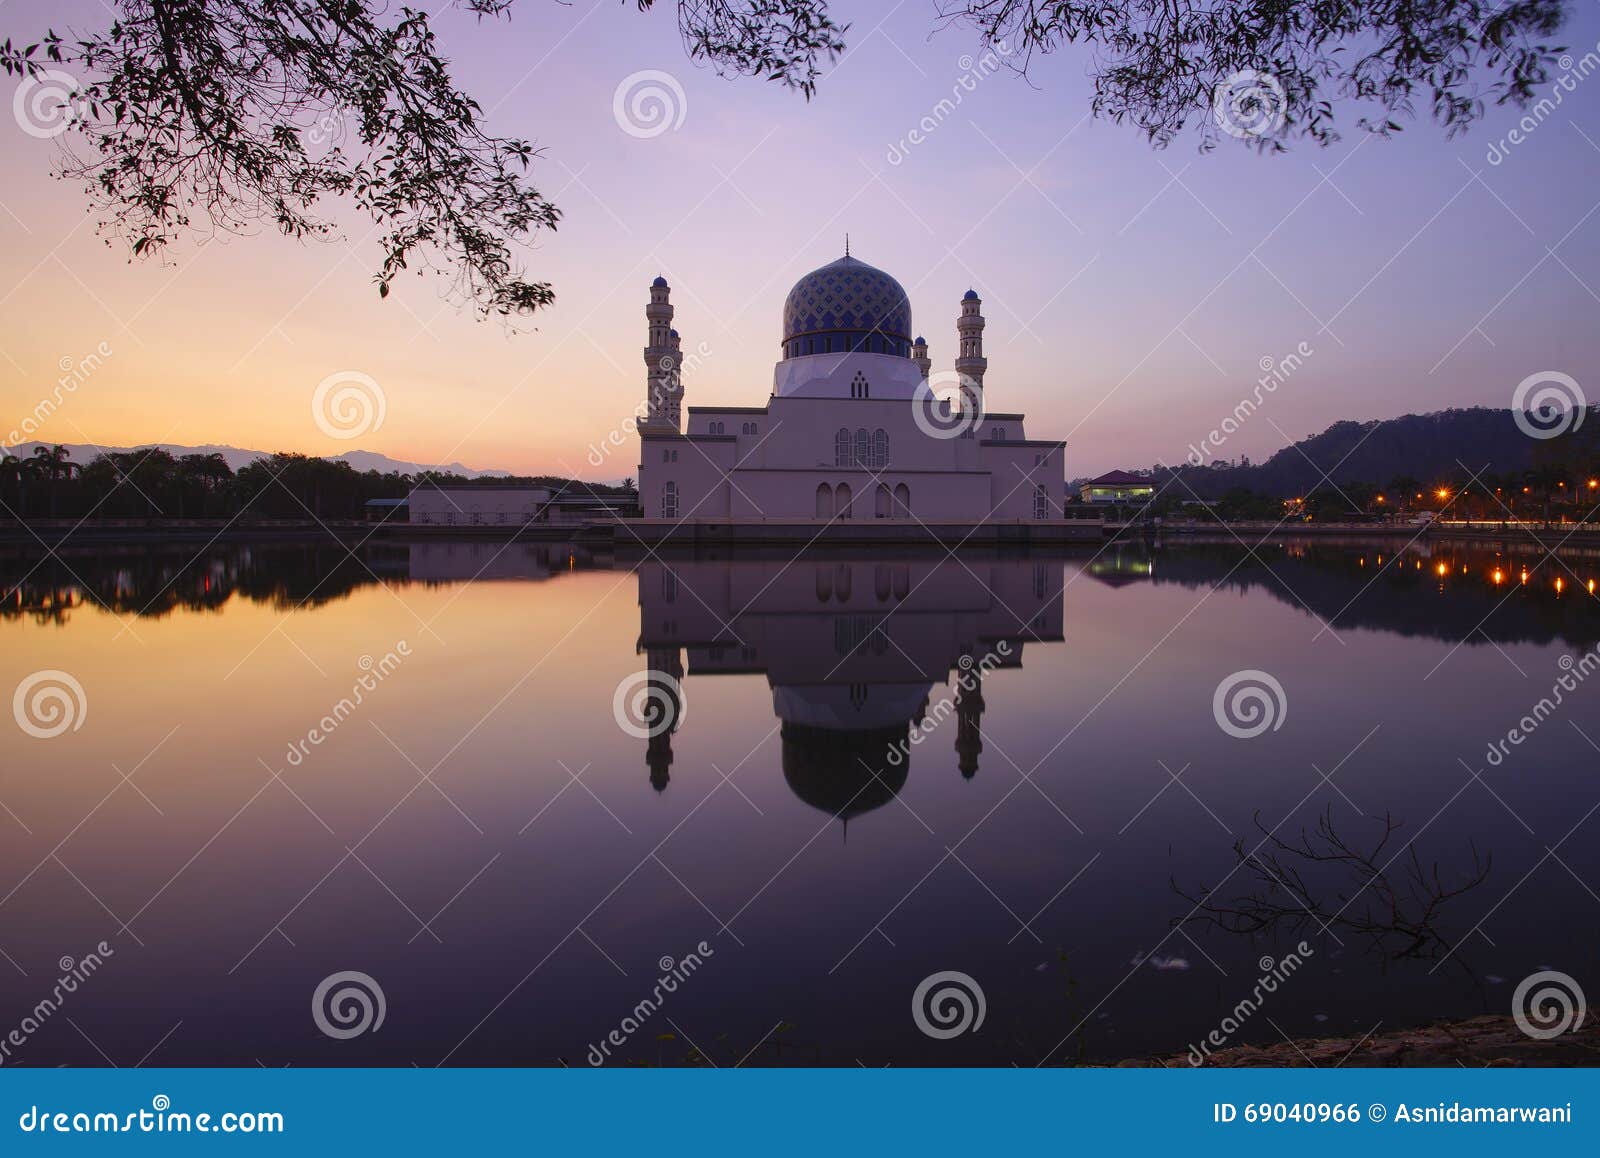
x=858, y=428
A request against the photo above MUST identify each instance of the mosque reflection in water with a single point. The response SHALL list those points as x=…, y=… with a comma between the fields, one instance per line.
x=853, y=651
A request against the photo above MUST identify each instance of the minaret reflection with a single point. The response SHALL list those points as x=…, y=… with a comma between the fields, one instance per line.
x=867, y=659
x=663, y=709
x=969, y=724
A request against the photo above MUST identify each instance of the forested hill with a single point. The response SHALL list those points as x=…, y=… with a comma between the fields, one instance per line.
x=1426, y=447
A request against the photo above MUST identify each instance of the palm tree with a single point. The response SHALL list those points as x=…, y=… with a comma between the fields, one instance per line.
x=52, y=464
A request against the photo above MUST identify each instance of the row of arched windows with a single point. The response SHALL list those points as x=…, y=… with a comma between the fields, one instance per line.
x=838, y=501
x=721, y=428
x=862, y=449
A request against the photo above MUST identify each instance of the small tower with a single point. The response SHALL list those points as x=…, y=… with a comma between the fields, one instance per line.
x=663, y=364
x=919, y=355
x=970, y=362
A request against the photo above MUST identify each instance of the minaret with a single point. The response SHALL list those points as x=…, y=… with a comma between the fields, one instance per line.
x=663, y=364
x=919, y=355
x=970, y=362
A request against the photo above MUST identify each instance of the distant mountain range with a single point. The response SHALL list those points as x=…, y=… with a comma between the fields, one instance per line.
x=362, y=460
x=1443, y=445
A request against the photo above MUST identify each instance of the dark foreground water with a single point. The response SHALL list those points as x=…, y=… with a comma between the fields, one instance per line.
x=740, y=810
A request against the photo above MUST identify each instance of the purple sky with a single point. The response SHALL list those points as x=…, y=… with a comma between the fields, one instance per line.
x=1131, y=293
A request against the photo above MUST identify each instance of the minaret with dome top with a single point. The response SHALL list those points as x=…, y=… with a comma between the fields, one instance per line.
x=663, y=363
x=970, y=362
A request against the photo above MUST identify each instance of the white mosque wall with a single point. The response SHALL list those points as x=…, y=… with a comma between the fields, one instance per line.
x=831, y=376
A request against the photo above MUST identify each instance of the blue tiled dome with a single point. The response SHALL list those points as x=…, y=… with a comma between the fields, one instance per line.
x=846, y=304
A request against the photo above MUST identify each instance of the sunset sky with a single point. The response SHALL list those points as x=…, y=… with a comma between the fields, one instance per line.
x=1131, y=292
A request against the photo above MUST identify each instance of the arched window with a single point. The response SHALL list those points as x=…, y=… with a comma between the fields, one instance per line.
x=902, y=501
x=841, y=498
x=669, y=501
x=824, y=585
x=824, y=501
x=880, y=448
x=863, y=446
x=880, y=502
x=841, y=447
x=998, y=434
x=1041, y=503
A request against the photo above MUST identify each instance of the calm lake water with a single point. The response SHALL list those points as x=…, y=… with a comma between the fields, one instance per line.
x=494, y=837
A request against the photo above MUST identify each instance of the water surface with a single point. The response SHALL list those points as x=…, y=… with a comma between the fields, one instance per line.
x=864, y=771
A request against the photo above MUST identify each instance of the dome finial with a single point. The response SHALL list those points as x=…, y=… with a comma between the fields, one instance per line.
x=847, y=245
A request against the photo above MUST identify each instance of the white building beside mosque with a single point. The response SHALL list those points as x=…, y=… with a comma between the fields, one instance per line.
x=854, y=429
